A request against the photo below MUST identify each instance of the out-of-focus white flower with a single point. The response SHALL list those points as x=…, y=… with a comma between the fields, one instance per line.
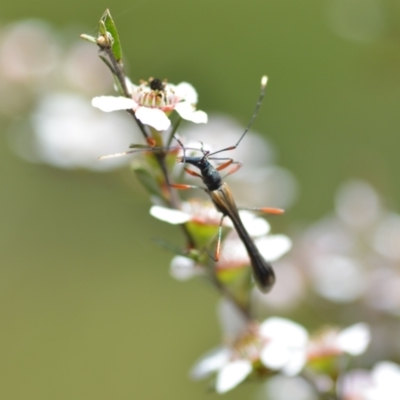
x=358, y=205
x=231, y=374
x=288, y=288
x=281, y=387
x=184, y=268
x=53, y=125
x=381, y=383
x=83, y=71
x=28, y=50
x=200, y=212
x=273, y=247
x=259, y=182
x=152, y=101
x=338, y=278
x=277, y=343
x=353, y=340
x=353, y=384
x=286, y=345
x=255, y=226
x=386, y=239
x=233, y=253
x=386, y=382
x=357, y=20
x=384, y=293
x=70, y=134
x=354, y=253
x=29, y=54
x=174, y=217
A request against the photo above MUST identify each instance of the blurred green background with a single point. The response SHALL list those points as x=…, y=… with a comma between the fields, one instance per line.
x=88, y=310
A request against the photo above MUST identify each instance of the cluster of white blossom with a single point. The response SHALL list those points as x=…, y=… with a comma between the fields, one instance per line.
x=351, y=257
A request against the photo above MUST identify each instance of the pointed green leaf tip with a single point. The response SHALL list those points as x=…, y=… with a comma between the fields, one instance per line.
x=108, y=22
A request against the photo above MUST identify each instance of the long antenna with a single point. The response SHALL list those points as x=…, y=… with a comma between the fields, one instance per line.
x=264, y=81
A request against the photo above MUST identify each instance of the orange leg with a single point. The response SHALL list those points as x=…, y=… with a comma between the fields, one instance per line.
x=265, y=210
x=233, y=169
x=191, y=172
x=182, y=186
x=224, y=165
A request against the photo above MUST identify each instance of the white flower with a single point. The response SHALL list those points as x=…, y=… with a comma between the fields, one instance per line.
x=211, y=362
x=353, y=254
x=279, y=344
x=286, y=345
x=386, y=382
x=273, y=247
x=232, y=374
x=353, y=340
x=184, y=268
x=381, y=383
x=353, y=384
x=281, y=387
x=152, y=101
x=69, y=134
x=255, y=226
x=201, y=212
x=288, y=290
x=259, y=181
x=174, y=217
x=338, y=278
x=234, y=253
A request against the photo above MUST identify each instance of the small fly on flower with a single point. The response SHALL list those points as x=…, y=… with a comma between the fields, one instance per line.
x=152, y=102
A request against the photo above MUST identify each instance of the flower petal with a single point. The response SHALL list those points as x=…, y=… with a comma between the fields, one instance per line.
x=186, y=92
x=112, y=103
x=184, y=268
x=284, y=330
x=255, y=226
x=232, y=374
x=212, y=361
x=153, y=117
x=298, y=358
x=174, y=217
x=188, y=112
x=273, y=247
x=198, y=117
x=355, y=339
x=386, y=382
x=286, y=347
x=386, y=373
x=275, y=355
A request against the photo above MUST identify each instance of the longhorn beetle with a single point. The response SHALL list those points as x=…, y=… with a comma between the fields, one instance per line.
x=222, y=198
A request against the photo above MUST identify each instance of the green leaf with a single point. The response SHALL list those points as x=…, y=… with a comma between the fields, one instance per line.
x=109, y=24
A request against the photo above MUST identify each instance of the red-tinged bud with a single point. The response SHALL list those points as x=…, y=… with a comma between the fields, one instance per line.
x=151, y=142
